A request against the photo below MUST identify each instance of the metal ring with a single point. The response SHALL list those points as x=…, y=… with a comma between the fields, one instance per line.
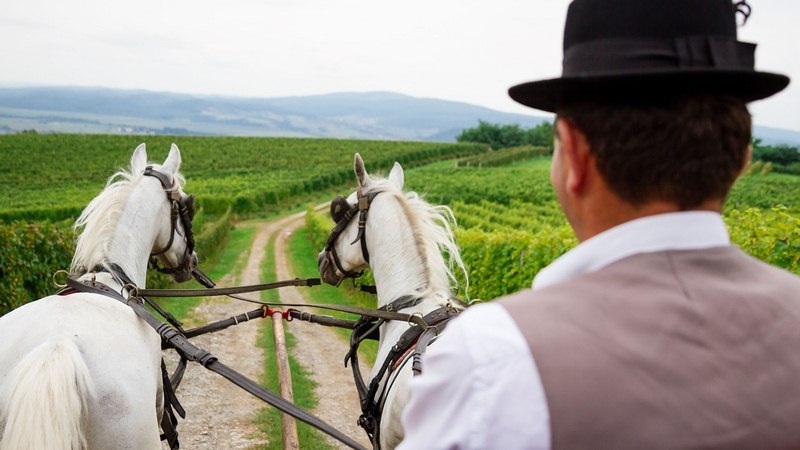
x=133, y=290
x=411, y=316
x=55, y=282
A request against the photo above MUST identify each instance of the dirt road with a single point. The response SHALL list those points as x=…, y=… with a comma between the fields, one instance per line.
x=219, y=414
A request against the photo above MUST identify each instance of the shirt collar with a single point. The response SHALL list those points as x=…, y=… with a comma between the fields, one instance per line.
x=671, y=231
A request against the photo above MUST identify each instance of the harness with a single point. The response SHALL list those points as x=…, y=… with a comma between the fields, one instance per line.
x=412, y=343
x=173, y=337
x=169, y=422
x=411, y=346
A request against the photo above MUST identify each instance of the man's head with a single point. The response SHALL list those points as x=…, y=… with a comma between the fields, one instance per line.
x=683, y=150
x=617, y=161
x=651, y=108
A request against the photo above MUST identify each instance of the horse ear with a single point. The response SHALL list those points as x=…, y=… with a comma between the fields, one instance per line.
x=139, y=159
x=173, y=161
x=396, y=175
x=361, y=172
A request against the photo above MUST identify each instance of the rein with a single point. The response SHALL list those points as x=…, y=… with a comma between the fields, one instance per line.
x=386, y=313
x=210, y=292
x=174, y=338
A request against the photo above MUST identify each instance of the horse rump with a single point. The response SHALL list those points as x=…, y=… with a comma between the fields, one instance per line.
x=45, y=399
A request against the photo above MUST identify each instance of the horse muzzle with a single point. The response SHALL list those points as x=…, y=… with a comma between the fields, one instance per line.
x=184, y=272
x=327, y=269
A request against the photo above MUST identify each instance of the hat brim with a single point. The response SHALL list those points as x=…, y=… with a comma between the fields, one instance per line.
x=547, y=95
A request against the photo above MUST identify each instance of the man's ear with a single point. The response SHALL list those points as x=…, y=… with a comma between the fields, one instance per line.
x=577, y=155
x=746, y=159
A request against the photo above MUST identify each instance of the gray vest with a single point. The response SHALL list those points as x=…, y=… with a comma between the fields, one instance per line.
x=673, y=349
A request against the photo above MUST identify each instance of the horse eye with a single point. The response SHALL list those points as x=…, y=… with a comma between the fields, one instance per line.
x=339, y=207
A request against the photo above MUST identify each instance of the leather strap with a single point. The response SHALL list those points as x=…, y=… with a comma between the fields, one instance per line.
x=136, y=292
x=415, y=337
x=188, y=350
x=169, y=423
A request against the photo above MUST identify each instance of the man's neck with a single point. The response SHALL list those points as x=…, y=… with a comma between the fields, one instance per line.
x=611, y=211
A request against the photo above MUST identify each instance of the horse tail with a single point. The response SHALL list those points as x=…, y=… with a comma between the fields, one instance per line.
x=47, y=395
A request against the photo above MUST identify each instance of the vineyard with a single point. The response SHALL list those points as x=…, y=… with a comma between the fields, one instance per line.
x=510, y=224
x=53, y=176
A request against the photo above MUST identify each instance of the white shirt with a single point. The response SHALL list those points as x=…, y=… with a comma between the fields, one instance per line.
x=480, y=388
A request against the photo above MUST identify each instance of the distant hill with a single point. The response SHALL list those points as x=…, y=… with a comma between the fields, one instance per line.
x=372, y=115
x=368, y=115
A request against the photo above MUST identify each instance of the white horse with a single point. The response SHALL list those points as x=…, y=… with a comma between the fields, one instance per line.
x=82, y=370
x=401, y=238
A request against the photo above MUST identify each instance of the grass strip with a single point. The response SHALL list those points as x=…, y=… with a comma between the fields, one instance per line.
x=268, y=419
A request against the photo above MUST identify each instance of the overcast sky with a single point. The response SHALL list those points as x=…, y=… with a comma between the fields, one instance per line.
x=462, y=50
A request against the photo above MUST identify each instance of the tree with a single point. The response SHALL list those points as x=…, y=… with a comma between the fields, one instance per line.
x=504, y=136
x=781, y=155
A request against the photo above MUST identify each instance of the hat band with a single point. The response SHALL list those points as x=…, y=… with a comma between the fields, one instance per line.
x=621, y=55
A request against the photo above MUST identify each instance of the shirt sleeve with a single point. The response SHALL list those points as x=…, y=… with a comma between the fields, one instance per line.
x=479, y=388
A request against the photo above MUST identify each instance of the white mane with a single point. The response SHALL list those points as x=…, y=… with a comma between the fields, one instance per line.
x=432, y=225
x=98, y=221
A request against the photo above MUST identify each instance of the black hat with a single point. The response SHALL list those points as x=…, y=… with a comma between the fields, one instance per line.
x=651, y=47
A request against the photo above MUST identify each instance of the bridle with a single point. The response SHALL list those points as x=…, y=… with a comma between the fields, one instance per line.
x=183, y=208
x=343, y=213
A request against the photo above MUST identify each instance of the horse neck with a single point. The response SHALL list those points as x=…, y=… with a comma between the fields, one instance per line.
x=403, y=263
x=402, y=260
x=137, y=231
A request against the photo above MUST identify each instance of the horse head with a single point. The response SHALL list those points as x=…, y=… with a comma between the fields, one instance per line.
x=174, y=247
x=341, y=258
x=142, y=215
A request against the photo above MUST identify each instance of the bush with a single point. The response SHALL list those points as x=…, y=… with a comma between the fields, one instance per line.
x=32, y=253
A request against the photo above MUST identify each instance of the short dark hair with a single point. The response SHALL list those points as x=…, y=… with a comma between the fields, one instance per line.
x=683, y=149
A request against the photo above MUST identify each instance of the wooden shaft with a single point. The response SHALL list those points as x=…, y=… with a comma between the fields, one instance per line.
x=288, y=425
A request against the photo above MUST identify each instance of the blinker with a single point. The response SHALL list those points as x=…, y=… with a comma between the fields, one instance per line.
x=339, y=207
x=189, y=205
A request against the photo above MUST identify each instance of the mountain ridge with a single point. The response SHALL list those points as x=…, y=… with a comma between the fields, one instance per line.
x=379, y=115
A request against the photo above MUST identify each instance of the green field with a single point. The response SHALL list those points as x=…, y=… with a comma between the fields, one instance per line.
x=510, y=222
x=53, y=176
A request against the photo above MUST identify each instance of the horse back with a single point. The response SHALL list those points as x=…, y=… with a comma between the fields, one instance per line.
x=91, y=342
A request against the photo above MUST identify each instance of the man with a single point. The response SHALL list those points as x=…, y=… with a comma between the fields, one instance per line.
x=654, y=332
